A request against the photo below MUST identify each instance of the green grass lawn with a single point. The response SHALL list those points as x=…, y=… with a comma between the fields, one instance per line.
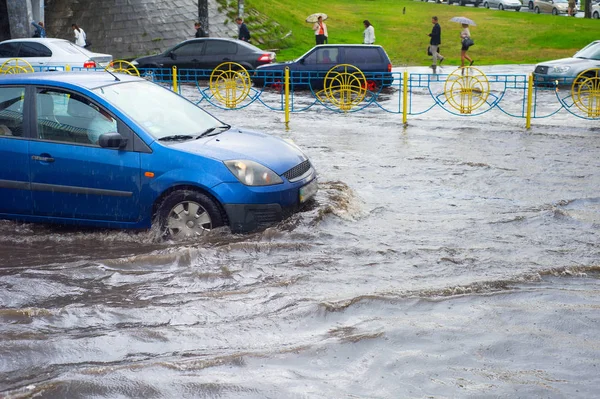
x=401, y=27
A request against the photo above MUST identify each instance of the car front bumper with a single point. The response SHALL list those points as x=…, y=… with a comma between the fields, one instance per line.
x=262, y=209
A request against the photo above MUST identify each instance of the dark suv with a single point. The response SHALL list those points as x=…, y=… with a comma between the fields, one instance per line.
x=311, y=68
x=207, y=53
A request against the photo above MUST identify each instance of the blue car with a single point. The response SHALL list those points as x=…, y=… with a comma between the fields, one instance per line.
x=97, y=149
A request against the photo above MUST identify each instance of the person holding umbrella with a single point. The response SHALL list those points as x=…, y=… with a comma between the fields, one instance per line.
x=465, y=39
x=320, y=30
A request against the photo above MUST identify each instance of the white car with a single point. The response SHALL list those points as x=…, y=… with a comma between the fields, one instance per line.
x=596, y=11
x=503, y=4
x=51, y=54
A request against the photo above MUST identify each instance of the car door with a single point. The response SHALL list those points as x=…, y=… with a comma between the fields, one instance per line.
x=15, y=194
x=217, y=52
x=313, y=67
x=71, y=175
x=36, y=54
x=187, y=56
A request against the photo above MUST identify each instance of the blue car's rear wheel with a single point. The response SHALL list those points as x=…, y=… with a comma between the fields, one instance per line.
x=187, y=213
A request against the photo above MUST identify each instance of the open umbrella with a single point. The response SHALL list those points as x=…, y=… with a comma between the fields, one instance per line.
x=463, y=20
x=312, y=18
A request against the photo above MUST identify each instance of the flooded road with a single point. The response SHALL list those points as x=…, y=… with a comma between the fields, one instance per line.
x=453, y=257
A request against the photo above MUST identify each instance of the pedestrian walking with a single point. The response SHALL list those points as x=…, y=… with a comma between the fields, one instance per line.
x=368, y=33
x=200, y=32
x=466, y=42
x=434, y=43
x=320, y=31
x=80, y=36
x=40, y=31
x=572, y=6
x=243, y=32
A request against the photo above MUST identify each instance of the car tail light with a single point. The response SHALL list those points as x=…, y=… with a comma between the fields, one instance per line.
x=389, y=67
x=266, y=57
x=89, y=64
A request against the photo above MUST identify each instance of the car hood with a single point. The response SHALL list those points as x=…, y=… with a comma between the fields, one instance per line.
x=275, y=65
x=276, y=154
x=574, y=63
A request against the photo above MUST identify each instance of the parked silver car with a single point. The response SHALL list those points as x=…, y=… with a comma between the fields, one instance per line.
x=52, y=54
x=566, y=70
x=596, y=11
x=503, y=4
x=551, y=6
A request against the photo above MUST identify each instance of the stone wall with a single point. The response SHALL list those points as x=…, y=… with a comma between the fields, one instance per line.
x=130, y=28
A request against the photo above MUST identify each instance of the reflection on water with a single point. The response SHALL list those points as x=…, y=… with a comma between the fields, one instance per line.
x=438, y=260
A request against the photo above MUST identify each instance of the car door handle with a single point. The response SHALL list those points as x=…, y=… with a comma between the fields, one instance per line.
x=42, y=159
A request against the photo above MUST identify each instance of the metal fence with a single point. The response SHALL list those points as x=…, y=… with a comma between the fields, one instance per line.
x=464, y=92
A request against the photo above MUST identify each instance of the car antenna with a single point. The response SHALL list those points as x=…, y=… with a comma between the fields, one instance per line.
x=115, y=76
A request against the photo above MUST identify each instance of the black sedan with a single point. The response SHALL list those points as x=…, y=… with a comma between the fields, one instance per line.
x=207, y=53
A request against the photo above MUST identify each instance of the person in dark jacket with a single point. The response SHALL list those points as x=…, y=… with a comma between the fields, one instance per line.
x=243, y=32
x=434, y=43
x=199, y=31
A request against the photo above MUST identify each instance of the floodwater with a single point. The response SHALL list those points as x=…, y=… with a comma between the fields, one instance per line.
x=453, y=257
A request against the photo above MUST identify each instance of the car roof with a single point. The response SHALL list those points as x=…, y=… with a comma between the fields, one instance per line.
x=349, y=45
x=88, y=80
x=35, y=39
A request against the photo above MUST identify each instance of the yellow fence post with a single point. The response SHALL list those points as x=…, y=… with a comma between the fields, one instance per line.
x=286, y=105
x=529, y=100
x=175, y=79
x=404, y=97
x=68, y=68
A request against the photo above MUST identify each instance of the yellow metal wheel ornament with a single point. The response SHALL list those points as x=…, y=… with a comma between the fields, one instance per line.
x=16, y=65
x=586, y=92
x=345, y=86
x=466, y=89
x=122, y=66
x=230, y=84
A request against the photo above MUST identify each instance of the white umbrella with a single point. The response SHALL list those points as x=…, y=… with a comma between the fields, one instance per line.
x=312, y=18
x=463, y=20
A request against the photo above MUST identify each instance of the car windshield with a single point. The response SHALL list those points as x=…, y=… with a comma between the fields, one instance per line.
x=159, y=111
x=591, y=51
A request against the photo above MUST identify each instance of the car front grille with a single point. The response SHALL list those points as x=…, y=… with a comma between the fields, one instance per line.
x=541, y=69
x=298, y=171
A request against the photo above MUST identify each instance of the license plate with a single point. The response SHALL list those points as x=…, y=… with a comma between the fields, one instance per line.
x=308, y=191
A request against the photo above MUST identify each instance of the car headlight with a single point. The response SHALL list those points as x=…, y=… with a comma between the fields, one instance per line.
x=134, y=63
x=561, y=69
x=252, y=173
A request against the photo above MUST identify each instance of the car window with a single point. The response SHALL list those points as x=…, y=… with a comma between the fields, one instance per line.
x=327, y=55
x=190, y=49
x=310, y=59
x=9, y=50
x=591, y=51
x=215, y=47
x=32, y=49
x=71, y=118
x=11, y=111
x=362, y=56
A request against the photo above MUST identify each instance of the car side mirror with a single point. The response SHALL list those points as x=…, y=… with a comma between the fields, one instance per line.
x=302, y=61
x=172, y=55
x=112, y=140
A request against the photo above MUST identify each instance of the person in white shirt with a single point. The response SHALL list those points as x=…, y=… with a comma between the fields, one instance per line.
x=80, y=38
x=369, y=33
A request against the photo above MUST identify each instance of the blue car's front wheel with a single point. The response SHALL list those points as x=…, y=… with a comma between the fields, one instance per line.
x=188, y=213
